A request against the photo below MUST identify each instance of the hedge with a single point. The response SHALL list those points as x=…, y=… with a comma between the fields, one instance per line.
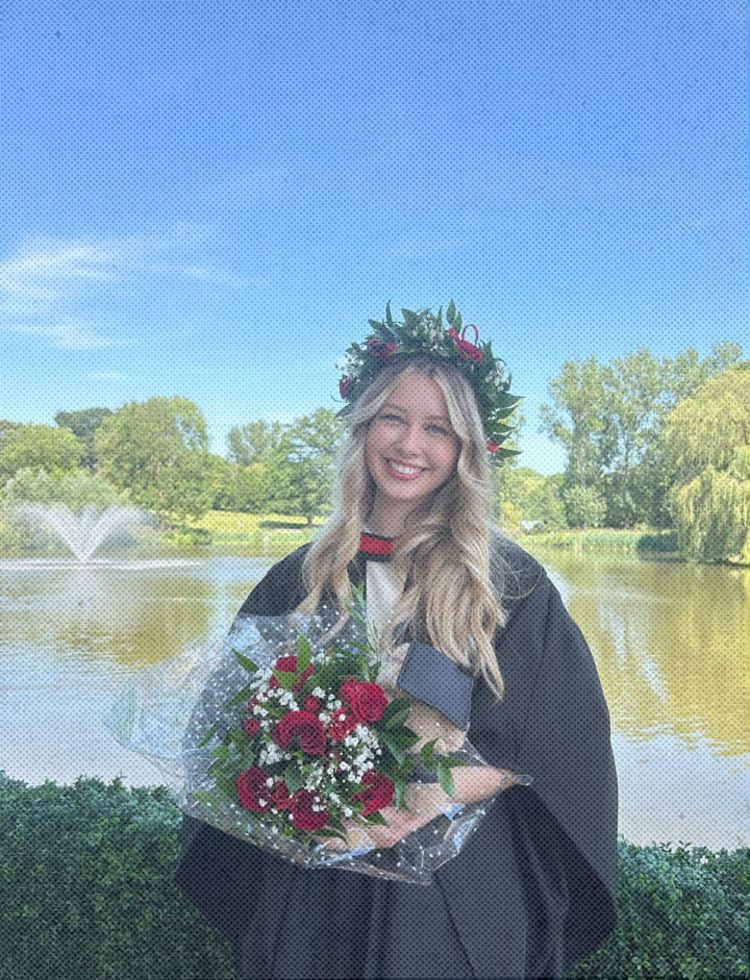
x=86, y=893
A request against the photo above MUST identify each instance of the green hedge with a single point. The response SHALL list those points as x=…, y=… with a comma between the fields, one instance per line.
x=86, y=893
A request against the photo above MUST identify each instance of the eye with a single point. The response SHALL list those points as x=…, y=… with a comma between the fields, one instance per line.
x=390, y=417
x=439, y=429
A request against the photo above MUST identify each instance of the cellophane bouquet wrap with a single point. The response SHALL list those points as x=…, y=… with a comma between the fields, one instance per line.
x=303, y=745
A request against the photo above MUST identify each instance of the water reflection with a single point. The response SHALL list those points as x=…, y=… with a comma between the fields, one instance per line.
x=670, y=642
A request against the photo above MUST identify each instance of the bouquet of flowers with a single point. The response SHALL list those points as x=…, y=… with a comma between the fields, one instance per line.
x=286, y=738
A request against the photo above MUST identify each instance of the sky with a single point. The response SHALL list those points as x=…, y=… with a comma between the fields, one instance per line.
x=210, y=199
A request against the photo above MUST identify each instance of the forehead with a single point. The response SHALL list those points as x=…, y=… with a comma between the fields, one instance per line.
x=418, y=393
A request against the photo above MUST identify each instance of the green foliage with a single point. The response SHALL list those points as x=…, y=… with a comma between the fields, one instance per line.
x=610, y=419
x=248, y=489
x=584, y=506
x=39, y=447
x=76, y=489
x=682, y=913
x=158, y=450
x=86, y=891
x=304, y=466
x=707, y=439
x=529, y=497
x=86, y=887
x=254, y=442
x=84, y=424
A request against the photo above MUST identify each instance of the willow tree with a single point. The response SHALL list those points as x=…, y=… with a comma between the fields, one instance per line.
x=707, y=439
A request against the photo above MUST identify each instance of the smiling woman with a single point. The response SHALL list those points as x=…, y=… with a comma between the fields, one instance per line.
x=471, y=628
x=410, y=451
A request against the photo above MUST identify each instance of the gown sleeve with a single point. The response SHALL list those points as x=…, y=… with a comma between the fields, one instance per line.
x=553, y=724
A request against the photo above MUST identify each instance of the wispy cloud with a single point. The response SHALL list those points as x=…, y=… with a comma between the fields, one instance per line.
x=66, y=335
x=41, y=280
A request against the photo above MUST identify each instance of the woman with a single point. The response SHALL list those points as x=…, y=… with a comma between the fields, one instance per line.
x=475, y=626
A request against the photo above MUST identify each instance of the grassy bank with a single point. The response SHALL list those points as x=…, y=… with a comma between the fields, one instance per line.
x=605, y=539
x=272, y=535
x=86, y=891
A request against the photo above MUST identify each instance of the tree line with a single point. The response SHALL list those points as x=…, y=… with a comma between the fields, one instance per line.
x=651, y=443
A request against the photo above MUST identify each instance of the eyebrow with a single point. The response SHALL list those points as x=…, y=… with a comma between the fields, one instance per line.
x=442, y=418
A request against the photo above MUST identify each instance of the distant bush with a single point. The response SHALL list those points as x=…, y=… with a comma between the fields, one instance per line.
x=86, y=892
x=74, y=489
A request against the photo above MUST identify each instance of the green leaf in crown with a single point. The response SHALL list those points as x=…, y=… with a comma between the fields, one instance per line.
x=423, y=332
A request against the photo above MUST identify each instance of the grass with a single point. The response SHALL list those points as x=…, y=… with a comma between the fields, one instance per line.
x=605, y=539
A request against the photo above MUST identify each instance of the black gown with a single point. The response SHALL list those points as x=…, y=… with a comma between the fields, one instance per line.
x=534, y=889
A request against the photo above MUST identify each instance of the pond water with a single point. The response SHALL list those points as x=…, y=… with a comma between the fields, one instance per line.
x=670, y=642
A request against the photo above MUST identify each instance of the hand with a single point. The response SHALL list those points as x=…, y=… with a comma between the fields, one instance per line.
x=424, y=803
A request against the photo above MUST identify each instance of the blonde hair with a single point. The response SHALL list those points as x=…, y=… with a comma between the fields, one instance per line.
x=450, y=599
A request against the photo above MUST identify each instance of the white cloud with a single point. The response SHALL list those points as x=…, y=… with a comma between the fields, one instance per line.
x=67, y=335
x=42, y=278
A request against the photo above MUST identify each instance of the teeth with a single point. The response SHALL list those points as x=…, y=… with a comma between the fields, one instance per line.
x=406, y=470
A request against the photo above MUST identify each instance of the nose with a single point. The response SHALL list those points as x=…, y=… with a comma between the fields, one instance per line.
x=410, y=440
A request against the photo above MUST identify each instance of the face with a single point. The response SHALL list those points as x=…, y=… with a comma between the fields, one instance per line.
x=411, y=449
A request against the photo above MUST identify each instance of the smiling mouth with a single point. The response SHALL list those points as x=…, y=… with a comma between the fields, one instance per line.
x=404, y=470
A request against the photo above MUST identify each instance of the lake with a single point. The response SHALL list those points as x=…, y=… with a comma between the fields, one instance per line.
x=670, y=641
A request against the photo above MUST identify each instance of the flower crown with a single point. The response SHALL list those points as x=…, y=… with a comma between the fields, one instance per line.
x=425, y=333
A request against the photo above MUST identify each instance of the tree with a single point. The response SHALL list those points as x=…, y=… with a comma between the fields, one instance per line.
x=609, y=417
x=158, y=450
x=528, y=496
x=39, y=447
x=303, y=473
x=576, y=419
x=254, y=442
x=84, y=424
x=75, y=489
x=584, y=506
x=707, y=442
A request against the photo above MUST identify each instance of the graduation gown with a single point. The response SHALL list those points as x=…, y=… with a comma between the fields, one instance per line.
x=534, y=889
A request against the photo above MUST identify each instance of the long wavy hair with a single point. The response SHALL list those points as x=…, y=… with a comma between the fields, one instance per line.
x=453, y=581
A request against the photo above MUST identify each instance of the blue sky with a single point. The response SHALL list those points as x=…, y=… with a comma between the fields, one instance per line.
x=210, y=198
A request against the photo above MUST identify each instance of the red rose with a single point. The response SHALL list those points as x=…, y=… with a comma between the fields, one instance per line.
x=302, y=725
x=341, y=724
x=383, y=350
x=252, y=725
x=289, y=665
x=492, y=446
x=367, y=700
x=280, y=797
x=251, y=789
x=344, y=386
x=378, y=792
x=311, y=703
x=303, y=815
x=465, y=347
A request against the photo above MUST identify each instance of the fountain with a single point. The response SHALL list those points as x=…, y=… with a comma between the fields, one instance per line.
x=85, y=532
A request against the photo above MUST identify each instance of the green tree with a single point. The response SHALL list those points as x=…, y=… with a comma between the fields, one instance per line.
x=254, y=442
x=584, y=506
x=609, y=418
x=84, y=424
x=39, y=447
x=158, y=450
x=707, y=442
x=303, y=470
x=528, y=496
x=249, y=490
x=75, y=488
x=577, y=421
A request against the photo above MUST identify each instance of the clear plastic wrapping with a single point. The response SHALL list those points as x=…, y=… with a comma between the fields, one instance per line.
x=304, y=745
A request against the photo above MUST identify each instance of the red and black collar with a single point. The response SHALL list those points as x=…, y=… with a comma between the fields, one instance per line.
x=375, y=547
